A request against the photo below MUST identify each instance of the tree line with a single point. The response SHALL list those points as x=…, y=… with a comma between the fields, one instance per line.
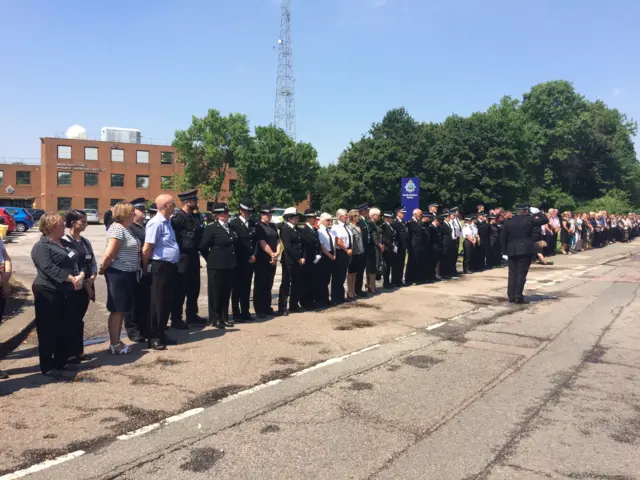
x=553, y=147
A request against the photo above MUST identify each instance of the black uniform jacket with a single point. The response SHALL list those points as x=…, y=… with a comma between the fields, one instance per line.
x=311, y=243
x=435, y=239
x=292, y=243
x=246, y=245
x=483, y=233
x=416, y=235
x=494, y=233
x=219, y=247
x=402, y=233
x=516, y=237
x=447, y=240
x=389, y=237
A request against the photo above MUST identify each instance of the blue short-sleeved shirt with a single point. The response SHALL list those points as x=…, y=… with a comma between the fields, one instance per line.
x=160, y=233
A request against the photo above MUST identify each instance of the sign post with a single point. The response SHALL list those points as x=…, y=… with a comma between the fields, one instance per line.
x=410, y=194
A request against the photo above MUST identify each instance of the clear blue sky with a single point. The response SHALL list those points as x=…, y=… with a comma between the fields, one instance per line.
x=152, y=64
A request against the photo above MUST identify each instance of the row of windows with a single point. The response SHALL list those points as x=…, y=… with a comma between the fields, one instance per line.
x=22, y=177
x=117, y=180
x=64, y=203
x=117, y=155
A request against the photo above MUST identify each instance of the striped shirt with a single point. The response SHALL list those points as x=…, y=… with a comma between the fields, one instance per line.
x=128, y=255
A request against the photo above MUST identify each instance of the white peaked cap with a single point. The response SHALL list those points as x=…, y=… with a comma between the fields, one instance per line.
x=290, y=211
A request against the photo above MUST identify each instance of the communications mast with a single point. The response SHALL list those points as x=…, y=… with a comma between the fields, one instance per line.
x=285, y=111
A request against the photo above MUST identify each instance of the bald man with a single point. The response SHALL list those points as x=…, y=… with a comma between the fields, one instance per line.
x=160, y=256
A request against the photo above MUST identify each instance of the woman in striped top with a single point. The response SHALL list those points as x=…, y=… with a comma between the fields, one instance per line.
x=121, y=268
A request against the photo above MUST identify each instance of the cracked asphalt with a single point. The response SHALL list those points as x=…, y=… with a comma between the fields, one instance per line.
x=547, y=390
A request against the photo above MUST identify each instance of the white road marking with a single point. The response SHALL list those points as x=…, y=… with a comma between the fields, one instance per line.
x=250, y=390
x=42, y=466
x=166, y=421
x=138, y=432
x=182, y=416
x=333, y=361
x=436, y=325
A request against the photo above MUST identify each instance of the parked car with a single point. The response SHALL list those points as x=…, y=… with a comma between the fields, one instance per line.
x=8, y=220
x=277, y=215
x=93, y=217
x=24, y=220
x=36, y=213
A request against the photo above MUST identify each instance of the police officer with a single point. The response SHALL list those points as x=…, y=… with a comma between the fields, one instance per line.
x=246, y=252
x=189, y=228
x=516, y=241
x=218, y=246
x=312, y=255
x=483, y=240
x=390, y=242
x=137, y=320
x=402, y=235
x=292, y=262
x=435, y=247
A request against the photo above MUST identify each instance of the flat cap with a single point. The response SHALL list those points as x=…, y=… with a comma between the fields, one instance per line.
x=388, y=214
x=190, y=195
x=362, y=206
x=153, y=208
x=266, y=208
x=400, y=210
x=522, y=206
x=428, y=215
x=139, y=203
x=290, y=212
x=247, y=204
x=310, y=212
x=433, y=204
x=220, y=207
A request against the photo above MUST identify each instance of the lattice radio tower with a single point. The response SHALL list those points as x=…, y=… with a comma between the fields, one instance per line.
x=285, y=111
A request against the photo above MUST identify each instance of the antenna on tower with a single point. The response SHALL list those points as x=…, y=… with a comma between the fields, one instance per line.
x=285, y=111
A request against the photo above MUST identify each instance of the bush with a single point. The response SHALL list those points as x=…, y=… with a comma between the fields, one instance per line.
x=615, y=201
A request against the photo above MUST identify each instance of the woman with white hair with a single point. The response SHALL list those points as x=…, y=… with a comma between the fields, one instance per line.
x=343, y=242
x=327, y=261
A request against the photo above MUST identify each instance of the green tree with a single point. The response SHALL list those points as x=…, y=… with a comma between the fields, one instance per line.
x=207, y=148
x=276, y=169
x=615, y=201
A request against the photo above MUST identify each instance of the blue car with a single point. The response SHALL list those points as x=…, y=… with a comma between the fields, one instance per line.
x=24, y=220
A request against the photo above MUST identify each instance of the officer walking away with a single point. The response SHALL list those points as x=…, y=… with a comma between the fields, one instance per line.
x=292, y=262
x=137, y=320
x=218, y=246
x=516, y=241
x=312, y=255
x=390, y=242
x=189, y=227
x=246, y=253
x=402, y=235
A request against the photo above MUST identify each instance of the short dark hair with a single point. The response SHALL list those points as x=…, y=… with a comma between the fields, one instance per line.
x=73, y=216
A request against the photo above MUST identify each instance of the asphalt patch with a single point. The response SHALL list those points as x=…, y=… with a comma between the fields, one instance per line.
x=269, y=429
x=393, y=368
x=214, y=396
x=202, y=459
x=629, y=431
x=277, y=374
x=167, y=362
x=136, y=417
x=595, y=354
x=359, y=386
x=49, y=436
x=87, y=378
x=284, y=361
x=356, y=304
x=352, y=323
x=421, y=361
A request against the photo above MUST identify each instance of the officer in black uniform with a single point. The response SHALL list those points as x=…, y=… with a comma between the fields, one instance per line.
x=218, y=246
x=312, y=255
x=435, y=247
x=493, y=255
x=402, y=235
x=136, y=321
x=369, y=249
x=153, y=209
x=269, y=249
x=516, y=241
x=483, y=235
x=292, y=262
x=188, y=227
x=108, y=219
x=246, y=252
x=390, y=242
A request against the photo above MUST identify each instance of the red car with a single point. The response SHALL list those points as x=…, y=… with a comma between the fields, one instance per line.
x=8, y=220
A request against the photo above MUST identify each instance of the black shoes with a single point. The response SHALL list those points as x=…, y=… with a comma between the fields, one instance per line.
x=3, y=375
x=179, y=325
x=157, y=345
x=522, y=301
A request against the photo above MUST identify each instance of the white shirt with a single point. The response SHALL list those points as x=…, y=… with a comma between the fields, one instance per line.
x=474, y=229
x=243, y=220
x=323, y=236
x=456, y=229
x=467, y=230
x=339, y=231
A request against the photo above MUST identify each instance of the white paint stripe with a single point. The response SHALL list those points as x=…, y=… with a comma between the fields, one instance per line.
x=42, y=466
x=138, y=432
x=436, y=325
x=182, y=416
x=412, y=334
x=333, y=361
x=250, y=390
x=166, y=421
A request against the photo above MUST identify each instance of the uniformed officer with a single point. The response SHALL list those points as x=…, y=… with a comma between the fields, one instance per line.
x=516, y=241
x=312, y=255
x=246, y=252
x=402, y=235
x=108, y=219
x=493, y=254
x=483, y=240
x=390, y=242
x=468, y=247
x=435, y=247
x=369, y=249
x=188, y=227
x=218, y=246
x=153, y=209
x=292, y=262
x=137, y=321
x=269, y=249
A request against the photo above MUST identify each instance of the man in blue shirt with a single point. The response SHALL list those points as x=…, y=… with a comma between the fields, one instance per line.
x=160, y=256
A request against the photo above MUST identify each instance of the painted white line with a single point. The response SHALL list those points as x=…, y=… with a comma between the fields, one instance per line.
x=166, y=421
x=182, y=416
x=42, y=466
x=250, y=390
x=333, y=361
x=138, y=432
x=436, y=325
x=412, y=334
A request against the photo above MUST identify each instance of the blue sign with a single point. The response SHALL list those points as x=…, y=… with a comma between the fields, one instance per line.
x=410, y=194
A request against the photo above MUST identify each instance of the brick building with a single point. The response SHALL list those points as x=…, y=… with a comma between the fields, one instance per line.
x=76, y=173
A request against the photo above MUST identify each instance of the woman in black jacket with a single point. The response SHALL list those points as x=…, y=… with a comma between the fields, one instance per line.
x=218, y=247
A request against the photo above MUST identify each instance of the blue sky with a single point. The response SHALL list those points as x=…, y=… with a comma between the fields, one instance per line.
x=152, y=64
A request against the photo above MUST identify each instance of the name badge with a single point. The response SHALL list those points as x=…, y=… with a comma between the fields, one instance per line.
x=71, y=254
x=88, y=257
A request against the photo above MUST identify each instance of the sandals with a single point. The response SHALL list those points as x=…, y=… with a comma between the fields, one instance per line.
x=119, y=349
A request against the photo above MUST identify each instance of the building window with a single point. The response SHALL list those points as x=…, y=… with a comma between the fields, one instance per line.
x=1, y=177
x=166, y=183
x=64, y=203
x=23, y=178
x=64, y=152
x=91, y=204
x=117, y=155
x=166, y=158
x=117, y=179
x=115, y=200
x=142, y=156
x=232, y=185
x=64, y=178
x=142, y=181
x=90, y=179
x=91, y=153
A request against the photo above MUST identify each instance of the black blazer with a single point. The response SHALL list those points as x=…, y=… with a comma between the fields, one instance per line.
x=435, y=239
x=402, y=233
x=389, y=237
x=447, y=240
x=218, y=247
x=311, y=243
x=418, y=236
x=292, y=243
x=516, y=237
x=483, y=233
x=246, y=245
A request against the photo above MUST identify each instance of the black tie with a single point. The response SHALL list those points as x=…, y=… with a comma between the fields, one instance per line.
x=330, y=243
x=350, y=238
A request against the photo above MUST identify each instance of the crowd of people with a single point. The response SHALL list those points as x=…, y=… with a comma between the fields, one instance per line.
x=152, y=268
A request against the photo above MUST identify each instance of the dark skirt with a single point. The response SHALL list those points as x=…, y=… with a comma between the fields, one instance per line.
x=372, y=260
x=358, y=263
x=120, y=290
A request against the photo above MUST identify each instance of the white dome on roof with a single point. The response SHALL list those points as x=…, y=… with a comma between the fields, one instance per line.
x=77, y=132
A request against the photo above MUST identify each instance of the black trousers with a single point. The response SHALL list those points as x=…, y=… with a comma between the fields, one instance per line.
x=53, y=322
x=242, y=289
x=369, y=252
x=77, y=304
x=310, y=284
x=397, y=269
x=164, y=276
x=389, y=257
x=137, y=320
x=262, y=287
x=324, y=271
x=188, y=285
x=339, y=276
x=468, y=252
x=431, y=262
x=220, y=283
x=518, y=269
x=481, y=256
x=290, y=286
